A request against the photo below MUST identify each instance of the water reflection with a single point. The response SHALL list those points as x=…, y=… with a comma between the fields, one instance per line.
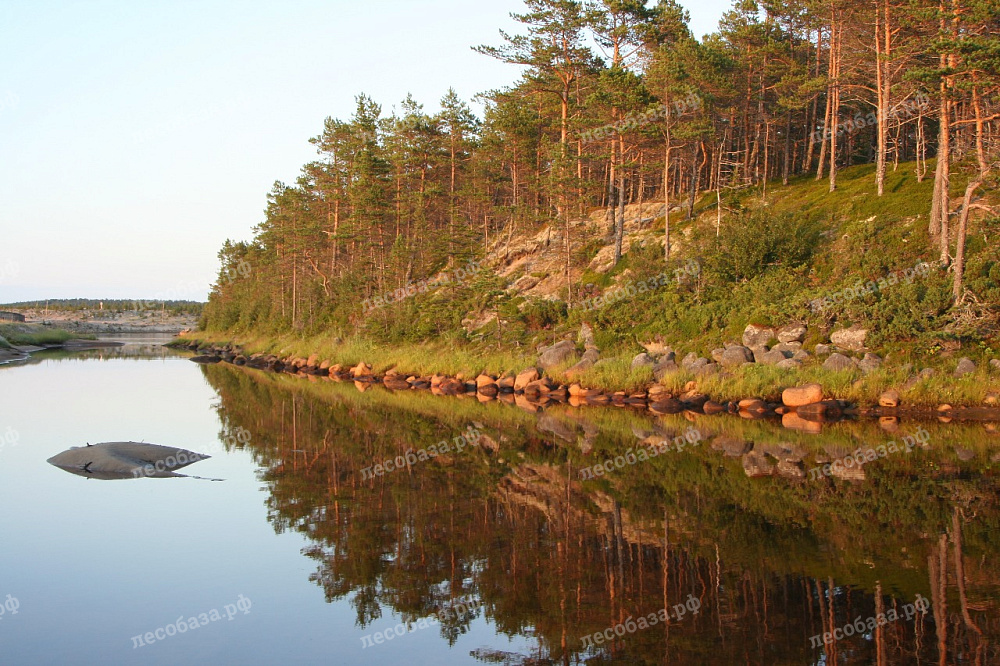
x=773, y=560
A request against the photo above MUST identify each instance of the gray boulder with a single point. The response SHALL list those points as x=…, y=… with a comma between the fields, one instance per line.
x=792, y=333
x=771, y=358
x=852, y=339
x=789, y=364
x=642, y=360
x=736, y=356
x=995, y=364
x=870, y=363
x=556, y=354
x=664, y=368
x=965, y=367
x=838, y=362
x=823, y=350
x=757, y=336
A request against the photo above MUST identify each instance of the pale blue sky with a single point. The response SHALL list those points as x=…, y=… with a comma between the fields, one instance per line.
x=136, y=136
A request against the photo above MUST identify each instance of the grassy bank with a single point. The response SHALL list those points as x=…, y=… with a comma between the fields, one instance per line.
x=616, y=374
x=36, y=335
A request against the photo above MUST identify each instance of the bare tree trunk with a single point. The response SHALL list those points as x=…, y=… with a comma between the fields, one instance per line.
x=963, y=221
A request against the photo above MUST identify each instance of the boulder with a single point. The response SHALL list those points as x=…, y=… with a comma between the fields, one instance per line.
x=870, y=363
x=484, y=380
x=802, y=395
x=837, y=362
x=734, y=357
x=664, y=368
x=790, y=470
x=717, y=354
x=792, y=333
x=757, y=336
x=801, y=355
x=995, y=364
x=711, y=407
x=889, y=398
x=965, y=367
x=706, y=369
x=592, y=355
x=657, y=349
x=694, y=399
x=586, y=336
x=788, y=348
x=822, y=350
x=583, y=366
x=789, y=364
x=506, y=383
x=361, y=370
x=689, y=360
x=772, y=357
x=852, y=338
x=643, y=360
x=522, y=380
x=557, y=354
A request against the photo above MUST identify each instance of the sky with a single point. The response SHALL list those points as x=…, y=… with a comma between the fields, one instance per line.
x=136, y=137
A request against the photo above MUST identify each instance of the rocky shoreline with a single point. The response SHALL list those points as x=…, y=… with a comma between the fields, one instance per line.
x=803, y=408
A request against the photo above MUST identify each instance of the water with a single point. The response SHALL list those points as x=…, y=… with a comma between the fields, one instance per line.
x=540, y=558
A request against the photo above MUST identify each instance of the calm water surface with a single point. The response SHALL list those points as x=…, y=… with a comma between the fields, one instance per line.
x=285, y=515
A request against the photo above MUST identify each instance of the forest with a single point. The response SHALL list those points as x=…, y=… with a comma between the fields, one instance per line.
x=619, y=104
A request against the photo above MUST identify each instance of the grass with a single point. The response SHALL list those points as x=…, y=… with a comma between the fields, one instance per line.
x=32, y=334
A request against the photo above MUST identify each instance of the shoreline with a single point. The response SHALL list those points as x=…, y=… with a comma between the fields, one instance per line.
x=800, y=407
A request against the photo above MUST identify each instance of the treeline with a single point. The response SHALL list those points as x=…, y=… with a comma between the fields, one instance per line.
x=618, y=103
x=109, y=305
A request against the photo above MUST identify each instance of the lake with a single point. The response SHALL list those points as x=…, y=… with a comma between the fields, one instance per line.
x=335, y=525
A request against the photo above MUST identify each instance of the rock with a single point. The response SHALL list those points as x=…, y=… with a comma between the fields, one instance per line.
x=664, y=368
x=592, y=355
x=792, y=333
x=717, y=354
x=992, y=399
x=790, y=470
x=657, y=349
x=734, y=357
x=789, y=364
x=706, y=369
x=757, y=336
x=772, y=357
x=995, y=364
x=731, y=446
x=965, y=367
x=313, y=360
x=793, y=421
x=788, y=348
x=484, y=380
x=361, y=370
x=206, y=359
x=756, y=464
x=689, y=360
x=801, y=356
x=820, y=411
x=784, y=451
x=643, y=360
x=656, y=391
x=852, y=338
x=694, y=399
x=837, y=362
x=586, y=336
x=889, y=399
x=557, y=354
x=802, y=395
x=522, y=380
x=583, y=366
x=870, y=363
x=822, y=350
x=711, y=407
x=506, y=383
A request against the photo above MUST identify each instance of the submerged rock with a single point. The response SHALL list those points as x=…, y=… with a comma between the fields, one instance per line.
x=125, y=460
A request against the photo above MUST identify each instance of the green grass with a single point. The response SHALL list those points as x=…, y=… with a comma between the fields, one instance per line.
x=32, y=334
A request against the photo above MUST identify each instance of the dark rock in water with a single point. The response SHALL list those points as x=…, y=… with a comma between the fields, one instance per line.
x=125, y=460
x=205, y=359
